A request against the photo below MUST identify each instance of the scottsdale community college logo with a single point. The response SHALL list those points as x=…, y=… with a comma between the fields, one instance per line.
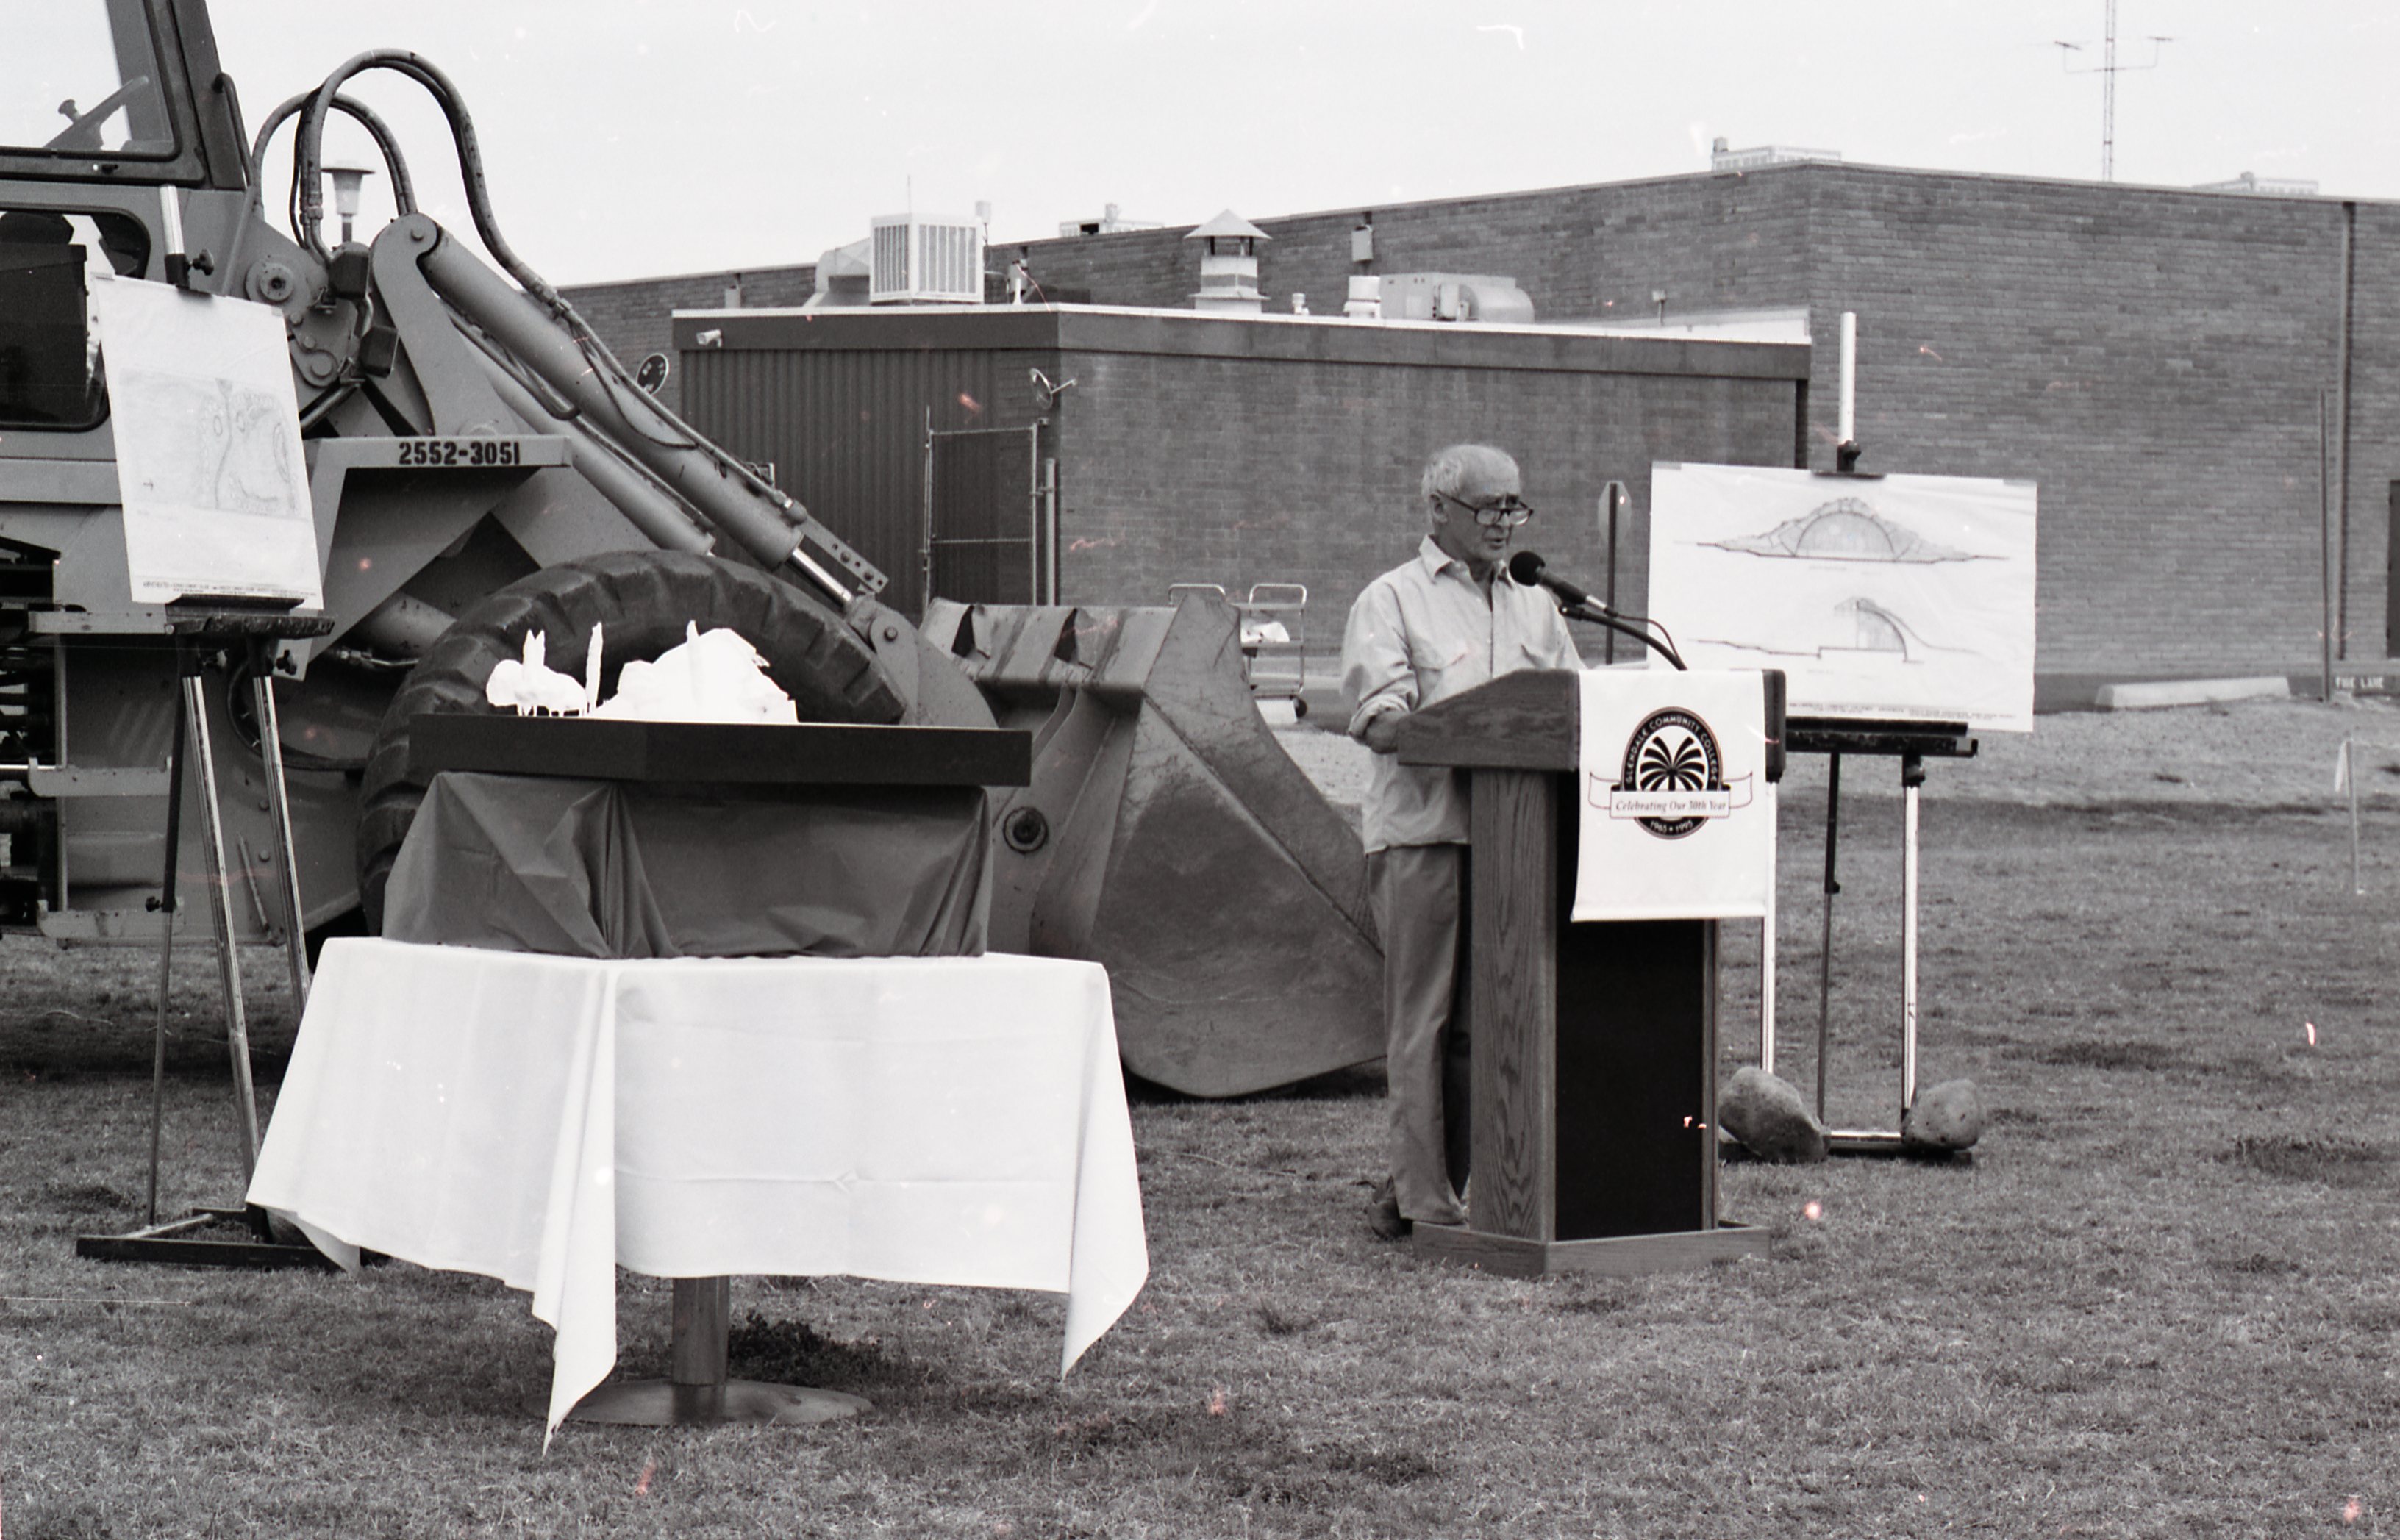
x=1673, y=777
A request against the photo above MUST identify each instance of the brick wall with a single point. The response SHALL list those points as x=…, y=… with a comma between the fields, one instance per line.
x=1581, y=253
x=1238, y=471
x=2152, y=357
x=2374, y=431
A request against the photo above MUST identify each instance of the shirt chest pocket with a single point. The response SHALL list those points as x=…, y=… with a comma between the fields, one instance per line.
x=1527, y=654
x=1450, y=663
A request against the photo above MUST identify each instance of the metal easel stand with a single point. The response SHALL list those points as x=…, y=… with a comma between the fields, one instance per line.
x=181, y=1240
x=1912, y=743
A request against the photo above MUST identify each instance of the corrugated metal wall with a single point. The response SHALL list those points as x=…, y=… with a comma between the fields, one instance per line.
x=845, y=430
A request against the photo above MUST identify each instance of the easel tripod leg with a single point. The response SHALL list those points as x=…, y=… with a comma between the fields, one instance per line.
x=279, y=801
x=166, y=935
x=1767, y=951
x=212, y=847
x=1911, y=776
x=1825, y=941
x=191, y=749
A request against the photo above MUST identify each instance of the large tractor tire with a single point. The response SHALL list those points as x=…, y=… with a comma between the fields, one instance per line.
x=642, y=601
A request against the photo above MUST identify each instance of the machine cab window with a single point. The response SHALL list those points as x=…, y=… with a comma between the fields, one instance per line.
x=81, y=77
x=49, y=353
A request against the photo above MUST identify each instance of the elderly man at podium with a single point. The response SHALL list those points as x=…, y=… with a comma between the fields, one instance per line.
x=1444, y=622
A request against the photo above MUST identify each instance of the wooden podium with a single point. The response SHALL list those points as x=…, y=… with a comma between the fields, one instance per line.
x=1595, y=1045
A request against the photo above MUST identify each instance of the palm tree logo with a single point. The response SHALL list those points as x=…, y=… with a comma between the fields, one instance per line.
x=1672, y=761
x=1672, y=751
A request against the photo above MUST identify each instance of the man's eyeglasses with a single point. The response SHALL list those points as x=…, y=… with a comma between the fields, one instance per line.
x=1508, y=514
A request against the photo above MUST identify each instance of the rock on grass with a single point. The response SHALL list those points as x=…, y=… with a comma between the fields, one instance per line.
x=1943, y=1119
x=1769, y=1117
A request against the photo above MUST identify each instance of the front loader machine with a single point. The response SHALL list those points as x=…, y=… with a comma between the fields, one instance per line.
x=473, y=453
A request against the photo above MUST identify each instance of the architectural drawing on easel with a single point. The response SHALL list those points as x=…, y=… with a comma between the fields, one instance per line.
x=1845, y=529
x=1859, y=626
x=209, y=462
x=1891, y=597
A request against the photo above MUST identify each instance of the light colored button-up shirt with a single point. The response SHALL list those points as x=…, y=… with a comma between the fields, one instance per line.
x=1422, y=633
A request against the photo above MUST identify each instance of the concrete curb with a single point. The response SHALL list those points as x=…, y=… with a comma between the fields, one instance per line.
x=2190, y=692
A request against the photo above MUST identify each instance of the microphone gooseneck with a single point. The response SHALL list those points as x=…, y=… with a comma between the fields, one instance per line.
x=1528, y=568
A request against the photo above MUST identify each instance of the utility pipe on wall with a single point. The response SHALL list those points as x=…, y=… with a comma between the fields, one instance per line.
x=2342, y=434
x=2324, y=555
x=1847, y=431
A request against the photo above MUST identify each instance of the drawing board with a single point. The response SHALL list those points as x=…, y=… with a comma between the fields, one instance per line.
x=1890, y=597
x=209, y=463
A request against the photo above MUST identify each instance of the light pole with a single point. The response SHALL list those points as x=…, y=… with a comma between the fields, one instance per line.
x=346, y=181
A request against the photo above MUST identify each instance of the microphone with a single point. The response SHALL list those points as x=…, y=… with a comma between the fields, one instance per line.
x=1526, y=569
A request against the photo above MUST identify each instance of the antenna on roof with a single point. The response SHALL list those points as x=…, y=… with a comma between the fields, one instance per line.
x=2107, y=70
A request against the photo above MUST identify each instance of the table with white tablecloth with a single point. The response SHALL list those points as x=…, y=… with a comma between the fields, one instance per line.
x=543, y=1120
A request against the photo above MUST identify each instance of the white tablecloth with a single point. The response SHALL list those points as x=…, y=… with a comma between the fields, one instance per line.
x=542, y=1120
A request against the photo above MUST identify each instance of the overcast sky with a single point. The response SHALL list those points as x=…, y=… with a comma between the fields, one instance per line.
x=633, y=138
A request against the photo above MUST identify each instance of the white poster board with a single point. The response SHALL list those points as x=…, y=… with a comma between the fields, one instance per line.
x=209, y=464
x=1678, y=819
x=1879, y=596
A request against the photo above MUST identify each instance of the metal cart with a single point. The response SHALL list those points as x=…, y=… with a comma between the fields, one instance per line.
x=1274, y=637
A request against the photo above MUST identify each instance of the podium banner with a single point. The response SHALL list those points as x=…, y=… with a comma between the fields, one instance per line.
x=1678, y=822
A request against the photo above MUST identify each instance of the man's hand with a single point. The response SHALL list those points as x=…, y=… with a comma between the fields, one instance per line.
x=1383, y=731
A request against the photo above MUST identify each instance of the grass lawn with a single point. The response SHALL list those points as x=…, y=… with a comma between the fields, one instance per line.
x=2159, y=1299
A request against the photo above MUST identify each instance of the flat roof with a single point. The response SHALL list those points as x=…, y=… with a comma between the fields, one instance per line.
x=1606, y=350
x=1785, y=168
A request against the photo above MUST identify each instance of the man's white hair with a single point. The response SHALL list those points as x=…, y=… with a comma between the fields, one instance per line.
x=1447, y=472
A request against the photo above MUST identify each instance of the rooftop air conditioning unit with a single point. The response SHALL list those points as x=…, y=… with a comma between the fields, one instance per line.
x=1455, y=296
x=926, y=259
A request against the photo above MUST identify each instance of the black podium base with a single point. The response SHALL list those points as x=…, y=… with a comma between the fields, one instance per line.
x=1514, y=1257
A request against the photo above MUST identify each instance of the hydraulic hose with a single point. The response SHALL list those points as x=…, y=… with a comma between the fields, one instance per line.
x=598, y=383
x=310, y=154
x=404, y=190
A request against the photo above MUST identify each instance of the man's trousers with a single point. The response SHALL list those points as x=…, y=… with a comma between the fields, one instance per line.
x=1420, y=897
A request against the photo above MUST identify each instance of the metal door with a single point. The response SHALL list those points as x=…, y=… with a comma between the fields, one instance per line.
x=990, y=517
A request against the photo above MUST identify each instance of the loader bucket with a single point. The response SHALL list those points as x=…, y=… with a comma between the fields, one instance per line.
x=1169, y=837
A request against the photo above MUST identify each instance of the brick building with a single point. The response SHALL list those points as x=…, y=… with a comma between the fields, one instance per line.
x=2154, y=357
x=1203, y=448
